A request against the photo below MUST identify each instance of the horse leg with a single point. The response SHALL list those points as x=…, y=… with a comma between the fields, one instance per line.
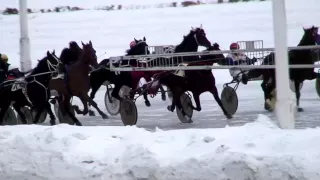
x=266, y=94
x=146, y=100
x=95, y=86
x=298, y=94
x=66, y=106
x=172, y=106
x=214, y=92
x=94, y=104
x=163, y=93
x=17, y=108
x=85, y=106
x=196, y=97
x=50, y=112
x=39, y=111
x=3, y=111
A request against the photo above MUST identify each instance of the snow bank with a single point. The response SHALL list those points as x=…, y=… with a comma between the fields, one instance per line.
x=258, y=150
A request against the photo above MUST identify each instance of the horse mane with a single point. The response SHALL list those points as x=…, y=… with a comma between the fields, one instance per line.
x=303, y=56
x=184, y=40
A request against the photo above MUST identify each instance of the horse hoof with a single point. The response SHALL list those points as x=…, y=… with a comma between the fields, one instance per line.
x=170, y=108
x=52, y=122
x=229, y=116
x=91, y=113
x=300, y=109
x=104, y=116
x=189, y=120
x=147, y=103
x=78, y=124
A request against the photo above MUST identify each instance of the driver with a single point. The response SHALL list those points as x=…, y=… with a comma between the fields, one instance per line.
x=9, y=71
x=238, y=58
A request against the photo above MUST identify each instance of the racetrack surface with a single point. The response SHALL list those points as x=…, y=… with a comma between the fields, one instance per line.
x=250, y=105
x=111, y=33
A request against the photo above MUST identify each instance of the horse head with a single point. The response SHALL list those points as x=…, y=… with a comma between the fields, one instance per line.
x=47, y=64
x=89, y=54
x=191, y=42
x=200, y=36
x=309, y=37
x=141, y=47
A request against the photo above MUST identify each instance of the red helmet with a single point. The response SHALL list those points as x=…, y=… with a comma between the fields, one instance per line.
x=132, y=44
x=234, y=46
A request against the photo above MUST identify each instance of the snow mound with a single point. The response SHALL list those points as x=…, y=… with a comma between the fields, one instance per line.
x=257, y=150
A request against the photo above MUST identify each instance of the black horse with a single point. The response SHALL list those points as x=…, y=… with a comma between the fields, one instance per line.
x=98, y=77
x=31, y=91
x=297, y=75
x=196, y=81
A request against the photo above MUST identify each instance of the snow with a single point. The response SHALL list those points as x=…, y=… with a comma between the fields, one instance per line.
x=38, y=4
x=258, y=150
x=211, y=148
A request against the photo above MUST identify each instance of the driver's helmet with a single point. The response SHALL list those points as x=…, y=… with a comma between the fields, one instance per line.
x=4, y=58
x=132, y=44
x=234, y=46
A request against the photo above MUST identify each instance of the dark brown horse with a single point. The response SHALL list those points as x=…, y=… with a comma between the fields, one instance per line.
x=196, y=81
x=78, y=83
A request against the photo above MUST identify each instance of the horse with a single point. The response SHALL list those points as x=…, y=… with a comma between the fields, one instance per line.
x=31, y=91
x=191, y=80
x=98, y=77
x=297, y=75
x=77, y=84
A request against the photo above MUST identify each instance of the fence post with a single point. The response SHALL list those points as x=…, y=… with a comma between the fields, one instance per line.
x=286, y=105
x=25, y=59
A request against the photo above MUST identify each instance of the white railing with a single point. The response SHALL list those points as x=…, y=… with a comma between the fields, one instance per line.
x=142, y=59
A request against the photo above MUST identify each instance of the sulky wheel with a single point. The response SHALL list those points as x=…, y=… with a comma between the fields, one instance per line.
x=229, y=100
x=10, y=117
x=112, y=104
x=63, y=119
x=292, y=86
x=128, y=112
x=185, y=102
x=27, y=112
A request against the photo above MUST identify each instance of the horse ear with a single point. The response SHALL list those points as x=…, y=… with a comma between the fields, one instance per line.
x=192, y=28
x=144, y=38
x=54, y=51
x=90, y=43
x=82, y=43
x=135, y=40
x=48, y=53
